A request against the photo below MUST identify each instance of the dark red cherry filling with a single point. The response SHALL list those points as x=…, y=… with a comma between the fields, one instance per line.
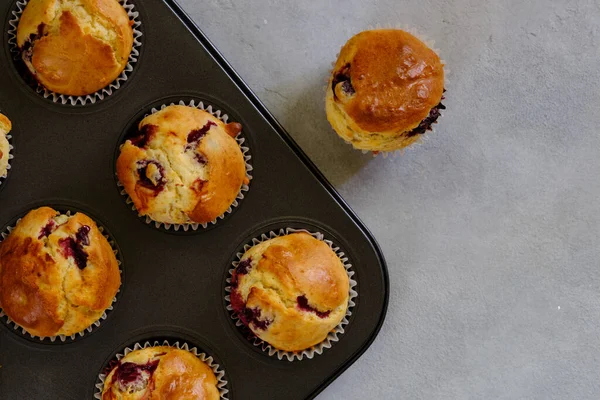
x=196, y=135
x=431, y=119
x=252, y=316
x=200, y=158
x=237, y=303
x=152, y=175
x=302, y=302
x=82, y=235
x=128, y=373
x=144, y=135
x=348, y=88
x=343, y=77
x=247, y=315
x=242, y=268
x=48, y=229
x=27, y=49
x=74, y=247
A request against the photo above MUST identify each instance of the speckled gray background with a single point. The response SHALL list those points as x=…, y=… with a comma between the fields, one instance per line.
x=491, y=227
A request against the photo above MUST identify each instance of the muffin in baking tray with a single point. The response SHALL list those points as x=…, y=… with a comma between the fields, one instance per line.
x=75, y=47
x=160, y=372
x=5, y=127
x=58, y=273
x=183, y=166
x=291, y=291
x=385, y=90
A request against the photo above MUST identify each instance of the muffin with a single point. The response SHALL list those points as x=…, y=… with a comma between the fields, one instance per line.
x=161, y=372
x=182, y=166
x=75, y=47
x=291, y=291
x=385, y=90
x=58, y=273
x=5, y=127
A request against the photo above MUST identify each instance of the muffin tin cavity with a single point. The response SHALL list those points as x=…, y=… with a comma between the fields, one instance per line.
x=254, y=315
x=139, y=138
x=76, y=248
x=29, y=80
x=169, y=341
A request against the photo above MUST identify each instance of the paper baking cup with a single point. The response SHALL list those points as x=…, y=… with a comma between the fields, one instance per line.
x=421, y=137
x=100, y=94
x=333, y=335
x=247, y=157
x=219, y=373
x=62, y=338
x=10, y=157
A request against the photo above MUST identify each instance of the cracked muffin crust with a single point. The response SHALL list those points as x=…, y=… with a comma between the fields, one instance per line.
x=183, y=166
x=160, y=373
x=386, y=89
x=75, y=47
x=5, y=127
x=291, y=291
x=58, y=273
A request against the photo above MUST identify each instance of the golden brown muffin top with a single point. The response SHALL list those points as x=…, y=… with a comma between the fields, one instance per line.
x=291, y=291
x=302, y=264
x=75, y=47
x=184, y=166
x=58, y=274
x=160, y=373
x=387, y=80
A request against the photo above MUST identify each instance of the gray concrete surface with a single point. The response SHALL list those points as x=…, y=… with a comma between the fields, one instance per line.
x=491, y=227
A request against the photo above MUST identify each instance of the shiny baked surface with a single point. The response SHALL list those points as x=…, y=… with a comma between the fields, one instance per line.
x=184, y=166
x=75, y=47
x=160, y=373
x=383, y=85
x=58, y=273
x=291, y=291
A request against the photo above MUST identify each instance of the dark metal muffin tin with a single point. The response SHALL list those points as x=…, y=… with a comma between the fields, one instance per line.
x=173, y=283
